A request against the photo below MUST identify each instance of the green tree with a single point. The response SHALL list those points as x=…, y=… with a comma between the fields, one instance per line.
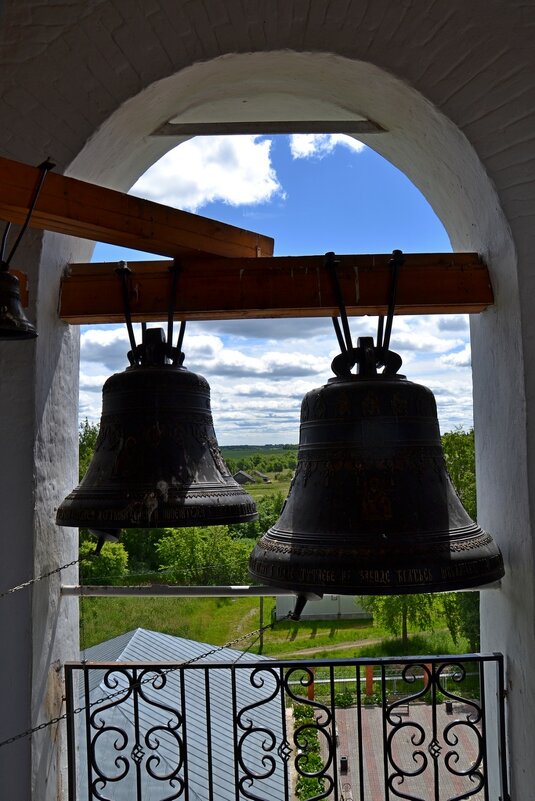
x=396, y=612
x=269, y=508
x=204, y=556
x=87, y=438
x=86, y=445
x=462, y=616
x=141, y=546
x=109, y=567
x=232, y=465
x=459, y=452
x=462, y=608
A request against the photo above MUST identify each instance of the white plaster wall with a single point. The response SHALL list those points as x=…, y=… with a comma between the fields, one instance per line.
x=38, y=465
x=454, y=84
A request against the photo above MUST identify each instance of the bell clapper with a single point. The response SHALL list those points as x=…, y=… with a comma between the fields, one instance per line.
x=300, y=604
x=104, y=535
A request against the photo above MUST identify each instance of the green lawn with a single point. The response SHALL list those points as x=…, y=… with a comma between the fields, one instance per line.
x=221, y=620
x=246, y=451
x=211, y=620
x=261, y=489
x=214, y=620
x=289, y=638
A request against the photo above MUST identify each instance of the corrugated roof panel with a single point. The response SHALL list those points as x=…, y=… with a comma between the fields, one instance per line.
x=224, y=707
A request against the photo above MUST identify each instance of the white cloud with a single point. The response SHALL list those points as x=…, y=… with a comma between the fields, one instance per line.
x=462, y=358
x=270, y=364
x=232, y=169
x=422, y=342
x=104, y=350
x=454, y=322
x=258, y=382
x=305, y=146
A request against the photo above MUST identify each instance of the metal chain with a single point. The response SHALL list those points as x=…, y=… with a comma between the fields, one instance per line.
x=141, y=682
x=38, y=578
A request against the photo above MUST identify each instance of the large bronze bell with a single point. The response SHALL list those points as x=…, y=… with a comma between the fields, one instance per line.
x=371, y=509
x=157, y=462
x=13, y=322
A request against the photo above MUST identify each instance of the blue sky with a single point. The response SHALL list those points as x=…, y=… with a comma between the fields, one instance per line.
x=312, y=194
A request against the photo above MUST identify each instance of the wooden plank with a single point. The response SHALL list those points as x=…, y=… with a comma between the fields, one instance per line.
x=350, y=127
x=285, y=286
x=76, y=208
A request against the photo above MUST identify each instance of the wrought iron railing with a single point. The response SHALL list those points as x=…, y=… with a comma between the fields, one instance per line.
x=420, y=728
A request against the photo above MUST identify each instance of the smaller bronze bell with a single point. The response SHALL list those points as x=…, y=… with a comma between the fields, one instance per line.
x=13, y=322
x=157, y=462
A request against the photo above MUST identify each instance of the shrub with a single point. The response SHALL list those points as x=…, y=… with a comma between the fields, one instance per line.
x=344, y=699
x=306, y=738
x=108, y=567
x=303, y=713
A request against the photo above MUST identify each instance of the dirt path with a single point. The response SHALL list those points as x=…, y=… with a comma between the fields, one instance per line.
x=341, y=647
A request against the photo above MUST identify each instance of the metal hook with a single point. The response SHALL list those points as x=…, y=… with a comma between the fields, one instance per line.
x=123, y=271
x=395, y=262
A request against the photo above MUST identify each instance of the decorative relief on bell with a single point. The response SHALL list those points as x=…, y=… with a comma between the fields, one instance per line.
x=376, y=501
x=343, y=408
x=319, y=406
x=399, y=405
x=370, y=405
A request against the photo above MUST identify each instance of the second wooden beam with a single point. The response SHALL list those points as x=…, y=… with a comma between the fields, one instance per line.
x=286, y=286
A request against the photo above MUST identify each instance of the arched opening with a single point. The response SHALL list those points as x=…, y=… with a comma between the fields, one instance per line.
x=288, y=87
x=440, y=161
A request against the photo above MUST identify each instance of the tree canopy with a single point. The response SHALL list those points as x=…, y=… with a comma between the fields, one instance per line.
x=204, y=556
x=396, y=612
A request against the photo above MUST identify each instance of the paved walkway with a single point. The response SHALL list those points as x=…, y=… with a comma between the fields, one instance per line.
x=410, y=751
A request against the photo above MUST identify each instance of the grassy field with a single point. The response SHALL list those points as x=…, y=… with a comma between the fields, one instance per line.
x=211, y=620
x=261, y=489
x=245, y=451
x=220, y=620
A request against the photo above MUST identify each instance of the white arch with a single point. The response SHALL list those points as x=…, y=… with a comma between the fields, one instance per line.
x=289, y=86
x=441, y=162
x=418, y=139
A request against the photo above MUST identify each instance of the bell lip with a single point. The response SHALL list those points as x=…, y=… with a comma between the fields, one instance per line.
x=14, y=328
x=111, y=517
x=75, y=522
x=457, y=585
x=17, y=334
x=344, y=573
x=365, y=590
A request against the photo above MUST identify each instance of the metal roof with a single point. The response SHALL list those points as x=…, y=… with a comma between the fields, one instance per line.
x=203, y=716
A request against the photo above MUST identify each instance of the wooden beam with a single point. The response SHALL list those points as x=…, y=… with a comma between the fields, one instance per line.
x=76, y=208
x=288, y=286
x=351, y=127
